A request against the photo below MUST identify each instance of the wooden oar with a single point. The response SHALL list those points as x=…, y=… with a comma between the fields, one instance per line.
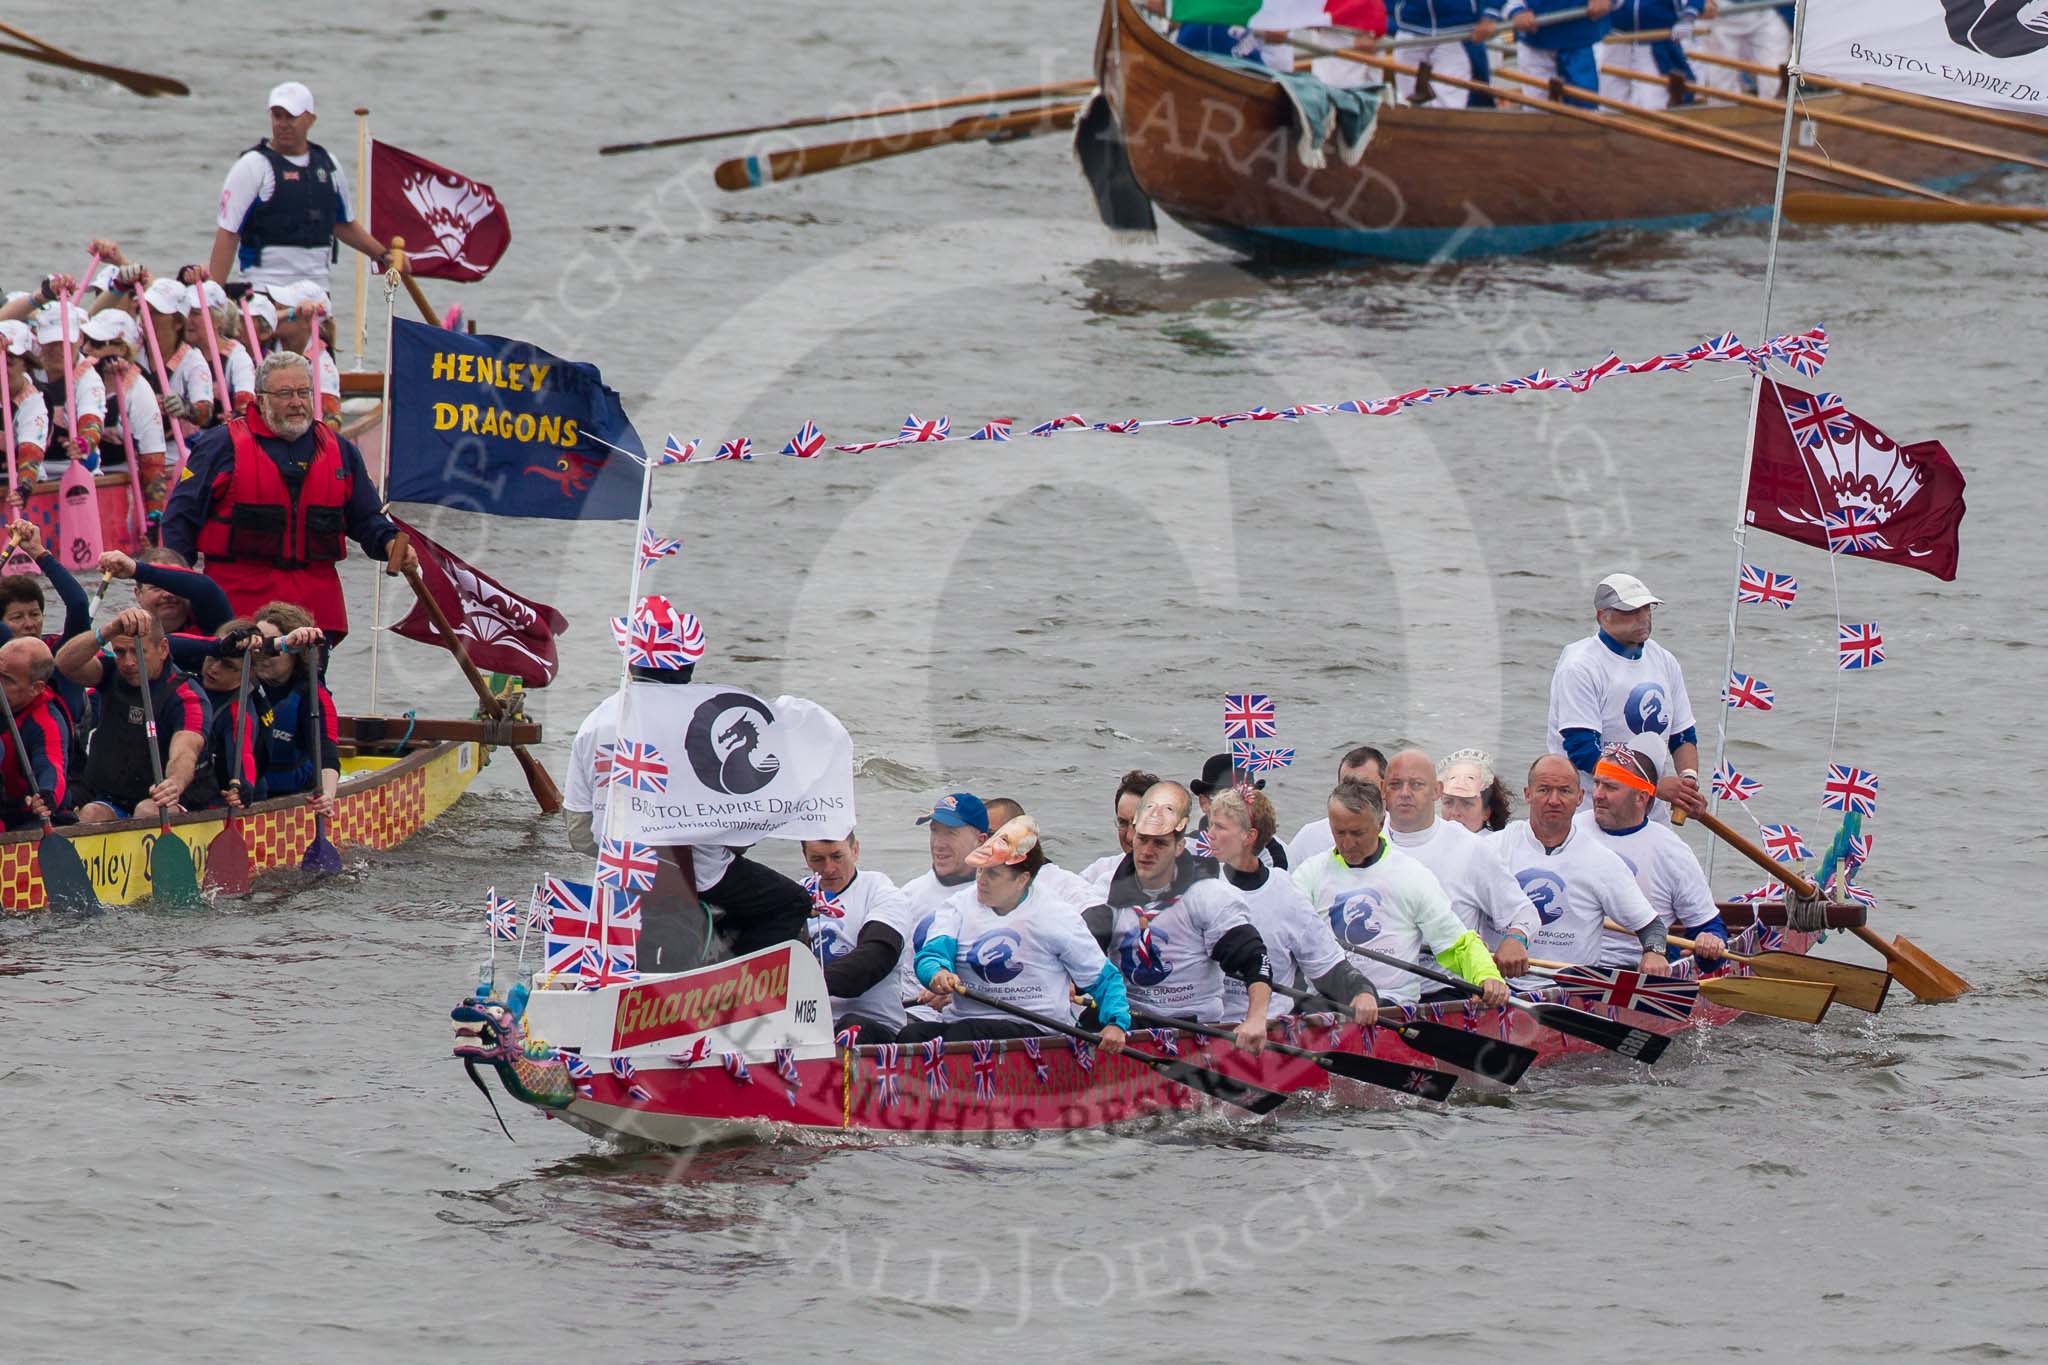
x=1804, y=1002
x=227, y=855
x=1427, y=1082
x=746, y=172
x=1214, y=1084
x=1860, y=988
x=172, y=878
x=538, y=782
x=1638, y=1043
x=322, y=858
x=1022, y=92
x=1761, y=146
x=1915, y=969
x=1821, y=114
x=66, y=884
x=1966, y=113
x=1808, y=207
x=1496, y=1059
x=141, y=82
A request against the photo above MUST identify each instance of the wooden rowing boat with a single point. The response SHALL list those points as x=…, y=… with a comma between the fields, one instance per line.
x=680, y=1091
x=1214, y=148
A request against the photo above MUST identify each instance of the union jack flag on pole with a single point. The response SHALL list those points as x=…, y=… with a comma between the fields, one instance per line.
x=807, y=442
x=1249, y=715
x=626, y=865
x=1622, y=989
x=1760, y=586
x=1745, y=690
x=1854, y=531
x=1861, y=646
x=640, y=767
x=502, y=914
x=1730, y=785
x=1248, y=757
x=654, y=548
x=1820, y=420
x=1850, y=789
x=1784, y=843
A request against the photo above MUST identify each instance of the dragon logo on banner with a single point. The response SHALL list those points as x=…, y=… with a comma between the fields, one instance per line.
x=724, y=748
x=1998, y=28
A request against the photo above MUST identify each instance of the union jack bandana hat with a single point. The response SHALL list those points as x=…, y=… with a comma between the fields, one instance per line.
x=656, y=617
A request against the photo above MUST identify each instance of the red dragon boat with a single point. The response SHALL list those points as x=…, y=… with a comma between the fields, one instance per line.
x=744, y=1051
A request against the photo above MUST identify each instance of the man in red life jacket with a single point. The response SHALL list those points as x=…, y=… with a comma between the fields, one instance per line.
x=119, y=779
x=272, y=499
x=26, y=666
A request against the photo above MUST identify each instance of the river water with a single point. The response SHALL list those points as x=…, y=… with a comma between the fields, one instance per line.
x=237, y=1135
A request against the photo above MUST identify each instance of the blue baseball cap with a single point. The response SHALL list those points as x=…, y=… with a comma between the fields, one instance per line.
x=962, y=809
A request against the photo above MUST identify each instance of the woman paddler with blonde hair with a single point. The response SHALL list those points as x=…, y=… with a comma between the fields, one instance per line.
x=1017, y=944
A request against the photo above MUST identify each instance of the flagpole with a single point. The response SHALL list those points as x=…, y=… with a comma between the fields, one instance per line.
x=1756, y=390
x=391, y=274
x=362, y=217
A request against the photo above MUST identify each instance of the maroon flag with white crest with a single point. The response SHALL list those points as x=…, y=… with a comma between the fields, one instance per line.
x=503, y=632
x=454, y=227
x=1827, y=478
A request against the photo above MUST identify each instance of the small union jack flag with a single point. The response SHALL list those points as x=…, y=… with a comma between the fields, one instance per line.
x=654, y=548
x=1059, y=424
x=1084, y=1056
x=807, y=442
x=622, y=1067
x=1249, y=715
x=578, y=1068
x=822, y=904
x=998, y=430
x=1861, y=646
x=1036, y=1053
x=1248, y=757
x=785, y=1067
x=1784, y=843
x=1123, y=428
x=1761, y=586
x=935, y=1067
x=502, y=915
x=1850, y=789
x=1805, y=352
x=1859, y=851
x=625, y=864
x=1747, y=690
x=1820, y=420
x=640, y=767
x=1854, y=531
x=916, y=431
x=1539, y=380
x=1164, y=1040
x=739, y=448
x=889, y=1074
x=1621, y=989
x=1769, y=891
x=736, y=1067
x=676, y=452
x=601, y=766
x=611, y=970
x=1198, y=844
x=1723, y=347
x=848, y=1037
x=1730, y=785
x=985, y=1065
x=650, y=644
x=1578, y=381
x=1859, y=895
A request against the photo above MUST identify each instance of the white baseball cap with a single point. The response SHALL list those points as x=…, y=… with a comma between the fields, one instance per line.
x=167, y=296
x=20, y=337
x=262, y=308
x=292, y=97
x=298, y=294
x=111, y=324
x=51, y=329
x=215, y=296
x=1623, y=592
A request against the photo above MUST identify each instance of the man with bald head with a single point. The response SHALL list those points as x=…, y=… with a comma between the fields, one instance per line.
x=119, y=779
x=1483, y=895
x=1574, y=883
x=26, y=667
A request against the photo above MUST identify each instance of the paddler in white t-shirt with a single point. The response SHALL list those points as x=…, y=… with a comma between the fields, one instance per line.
x=1666, y=869
x=1051, y=879
x=957, y=823
x=860, y=924
x=1483, y=896
x=1575, y=884
x=1618, y=686
x=1375, y=896
x=1130, y=789
x=1361, y=763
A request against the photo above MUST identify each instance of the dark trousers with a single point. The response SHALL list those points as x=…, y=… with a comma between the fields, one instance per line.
x=967, y=1030
x=758, y=906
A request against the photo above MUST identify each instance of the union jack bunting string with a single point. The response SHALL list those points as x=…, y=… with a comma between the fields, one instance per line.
x=1848, y=789
x=503, y=915
x=889, y=1074
x=1163, y=1039
x=1198, y=844
x=848, y=1037
x=985, y=1071
x=1861, y=646
x=1853, y=531
x=935, y=1067
x=736, y=1067
x=1769, y=891
x=578, y=1068
x=1804, y=352
x=1035, y=1052
x=622, y=1067
x=807, y=442
x=1745, y=690
x=654, y=548
x=1760, y=586
x=1730, y=785
x=1821, y=421
x=1784, y=843
x=1084, y=1056
x=821, y=904
x=1248, y=757
x=785, y=1067
x=1249, y=715
x=1859, y=850
x=637, y=1091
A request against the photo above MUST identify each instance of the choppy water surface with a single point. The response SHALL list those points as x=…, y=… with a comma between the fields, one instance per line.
x=237, y=1135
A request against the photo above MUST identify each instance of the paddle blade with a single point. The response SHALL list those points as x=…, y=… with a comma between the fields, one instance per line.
x=1214, y=1084
x=1639, y=1044
x=322, y=857
x=1860, y=988
x=1413, y=1080
x=1804, y=1002
x=67, y=886
x=1493, y=1058
x=173, y=880
x=1822, y=208
x=227, y=863
x=1922, y=975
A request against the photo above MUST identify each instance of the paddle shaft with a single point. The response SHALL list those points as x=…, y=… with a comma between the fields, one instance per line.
x=156, y=760
x=1022, y=92
x=1989, y=118
x=747, y=172
x=1824, y=115
x=163, y=382
x=1494, y=1058
x=224, y=400
x=1810, y=207
x=14, y=499
x=1356, y=1066
x=537, y=779
x=319, y=715
x=141, y=82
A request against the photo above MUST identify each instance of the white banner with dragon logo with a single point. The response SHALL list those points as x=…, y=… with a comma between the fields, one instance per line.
x=1990, y=52
x=697, y=763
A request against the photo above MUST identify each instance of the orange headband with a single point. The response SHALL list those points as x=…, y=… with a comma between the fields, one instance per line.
x=1614, y=772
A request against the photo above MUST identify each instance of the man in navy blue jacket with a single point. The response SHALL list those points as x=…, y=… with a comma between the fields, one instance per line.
x=1570, y=50
x=1451, y=57
x=1655, y=60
